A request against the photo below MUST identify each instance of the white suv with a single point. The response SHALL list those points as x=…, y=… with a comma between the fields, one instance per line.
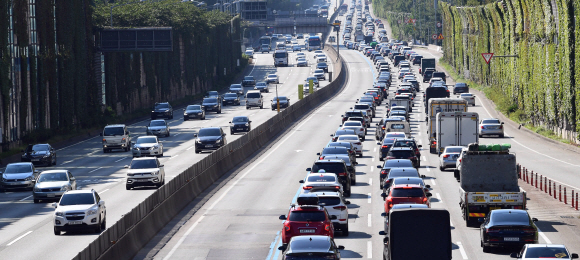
x=335, y=204
x=254, y=99
x=80, y=210
x=146, y=171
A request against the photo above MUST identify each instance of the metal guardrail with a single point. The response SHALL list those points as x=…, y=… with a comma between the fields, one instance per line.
x=128, y=235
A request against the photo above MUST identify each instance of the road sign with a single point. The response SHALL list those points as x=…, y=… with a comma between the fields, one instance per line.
x=413, y=21
x=434, y=36
x=440, y=37
x=336, y=24
x=438, y=24
x=487, y=57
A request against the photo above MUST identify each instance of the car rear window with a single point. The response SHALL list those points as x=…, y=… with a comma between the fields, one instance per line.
x=401, y=154
x=397, y=126
x=418, y=181
x=328, y=201
x=453, y=150
x=329, y=167
x=314, y=216
x=506, y=217
x=112, y=131
x=334, y=150
x=362, y=106
x=313, y=245
x=323, y=178
x=406, y=192
x=490, y=121
x=388, y=140
x=398, y=163
x=357, y=123
x=253, y=95
x=546, y=252
x=405, y=144
x=348, y=138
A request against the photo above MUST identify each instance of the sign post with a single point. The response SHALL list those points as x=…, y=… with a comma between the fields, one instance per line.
x=300, y=91
x=310, y=86
x=487, y=57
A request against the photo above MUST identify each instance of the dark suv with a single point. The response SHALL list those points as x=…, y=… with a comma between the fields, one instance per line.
x=460, y=88
x=428, y=74
x=337, y=167
x=209, y=138
x=352, y=113
x=403, y=153
x=409, y=142
x=439, y=74
x=162, y=110
x=212, y=104
x=307, y=246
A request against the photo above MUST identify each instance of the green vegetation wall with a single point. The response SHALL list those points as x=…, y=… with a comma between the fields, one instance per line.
x=541, y=82
x=206, y=51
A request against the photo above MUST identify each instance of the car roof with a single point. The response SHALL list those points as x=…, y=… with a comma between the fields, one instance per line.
x=20, y=163
x=329, y=160
x=115, y=125
x=328, y=193
x=546, y=245
x=403, y=206
x=143, y=158
x=158, y=120
x=143, y=136
x=52, y=171
x=79, y=191
x=398, y=161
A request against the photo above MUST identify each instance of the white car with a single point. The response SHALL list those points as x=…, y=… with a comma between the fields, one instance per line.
x=354, y=140
x=300, y=55
x=296, y=47
x=357, y=126
x=302, y=62
x=448, y=158
x=318, y=179
x=319, y=74
x=147, y=145
x=469, y=97
x=80, y=209
x=539, y=251
x=321, y=58
x=272, y=78
x=316, y=52
x=335, y=205
x=147, y=171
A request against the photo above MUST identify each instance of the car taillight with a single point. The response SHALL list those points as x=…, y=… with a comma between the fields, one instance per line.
x=500, y=127
x=425, y=200
x=391, y=157
x=307, y=187
x=342, y=174
x=482, y=127
x=287, y=226
x=529, y=230
x=362, y=129
x=124, y=138
x=412, y=158
x=104, y=140
x=446, y=156
x=358, y=143
x=492, y=230
x=340, y=207
x=327, y=227
x=383, y=128
x=321, y=157
x=459, y=160
x=383, y=172
x=385, y=146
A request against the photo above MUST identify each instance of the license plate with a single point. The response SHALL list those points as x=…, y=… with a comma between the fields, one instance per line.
x=35, y=160
x=141, y=180
x=239, y=129
x=75, y=223
x=208, y=145
x=50, y=195
x=511, y=239
x=309, y=231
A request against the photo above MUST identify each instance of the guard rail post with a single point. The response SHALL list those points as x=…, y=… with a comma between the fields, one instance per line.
x=560, y=192
x=519, y=169
x=565, y=198
x=554, y=189
x=536, y=180
x=541, y=183
x=572, y=198
x=545, y=184
x=550, y=187
x=527, y=176
x=576, y=200
x=532, y=181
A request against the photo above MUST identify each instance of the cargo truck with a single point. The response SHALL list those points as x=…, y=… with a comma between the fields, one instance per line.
x=418, y=233
x=400, y=102
x=426, y=63
x=437, y=105
x=488, y=180
x=434, y=92
x=456, y=129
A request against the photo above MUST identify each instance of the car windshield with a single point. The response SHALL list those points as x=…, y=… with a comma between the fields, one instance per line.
x=271, y=76
x=212, y=93
x=301, y=59
x=235, y=86
x=418, y=181
x=280, y=98
x=143, y=164
x=11, y=168
x=157, y=123
x=231, y=95
x=209, y=132
x=397, y=126
x=193, y=107
x=321, y=178
x=398, y=163
x=490, y=121
x=510, y=217
x=334, y=150
x=311, y=78
x=240, y=119
x=355, y=123
x=546, y=252
x=261, y=84
x=318, y=71
x=249, y=77
x=322, y=64
x=162, y=106
x=466, y=95
x=406, y=192
x=329, y=167
x=313, y=216
x=77, y=199
x=401, y=154
x=209, y=100
x=53, y=176
x=112, y=131
x=453, y=150
x=328, y=201
x=146, y=140
x=38, y=148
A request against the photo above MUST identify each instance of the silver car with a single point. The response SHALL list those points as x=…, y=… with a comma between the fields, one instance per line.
x=158, y=128
x=302, y=62
x=448, y=158
x=147, y=145
x=469, y=97
x=18, y=176
x=319, y=74
x=145, y=172
x=262, y=87
x=52, y=184
x=491, y=126
x=354, y=140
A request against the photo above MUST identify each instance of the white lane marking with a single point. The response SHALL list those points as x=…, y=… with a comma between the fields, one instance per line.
x=372, y=168
x=121, y=159
x=438, y=196
x=18, y=238
x=450, y=223
x=370, y=182
x=173, y=156
x=433, y=181
x=544, y=236
x=374, y=150
x=369, y=196
x=461, y=250
x=369, y=249
x=423, y=157
x=26, y=198
x=369, y=221
x=428, y=169
x=63, y=163
x=183, y=238
x=96, y=169
x=373, y=159
x=104, y=191
x=176, y=134
x=190, y=148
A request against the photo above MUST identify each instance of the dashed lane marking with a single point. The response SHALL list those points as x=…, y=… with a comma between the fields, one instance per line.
x=18, y=238
x=461, y=250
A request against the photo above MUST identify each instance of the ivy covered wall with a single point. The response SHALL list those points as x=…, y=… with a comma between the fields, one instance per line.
x=542, y=80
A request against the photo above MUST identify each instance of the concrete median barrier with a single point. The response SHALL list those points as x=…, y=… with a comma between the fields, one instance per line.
x=123, y=239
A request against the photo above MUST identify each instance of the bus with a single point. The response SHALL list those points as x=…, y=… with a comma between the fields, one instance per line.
x=314, y=43
x=265, y=40
x=280, y=58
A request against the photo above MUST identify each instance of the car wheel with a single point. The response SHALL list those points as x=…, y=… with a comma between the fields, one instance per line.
x=261, y=106
x=171, y=116
x=104, y=150
x=456, y=174
x=54, y=163
x=56, y=232
x=347, y=192
x=219, y=111
x=353, y=180
x=158, y=185
x=247, y=107
x=197, y=151
x=104, y=224
x=128, y=187
x=36, y=201
x=184, y=118
x=231, y=132
x=364, y=138
x=441, y=168
x=480, y=136
x=500, y=136
x=203, y=118
x=345, y=230
x=98, y=229
x=486, y=249
x=381, y=158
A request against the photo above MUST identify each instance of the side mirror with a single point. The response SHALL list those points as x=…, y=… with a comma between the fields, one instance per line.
x=514, y=255
x=347, y=202
x=308, y=169
x=282, y=248
x=194, y=135
x=282, y=217
x=428, y=186
x=133, y=142
x=422, y=176
x=317, y=153
x=333, y=217
x=534, y=219
x=419, y=146
x=382, y=233
x=340, y=247
x=384, y=195
x=331, y=134
x=54, y=205
x=379, y=167
x=355, y=163
x=384, y=214
x=126, y=166
x=162, y=165
x=480, y=219
x=574, y=255
x=428, y=194
x=502, y=123
x=377, y=124
x=378, y=143
x=101, y=203
x=301, y=181
x=230, y=122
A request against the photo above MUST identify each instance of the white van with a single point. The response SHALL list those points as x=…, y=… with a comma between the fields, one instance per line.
x=116, y=137
x=254, y=99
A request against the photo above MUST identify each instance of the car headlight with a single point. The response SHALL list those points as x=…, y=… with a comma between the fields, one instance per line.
x=58, y=213
x=36, y=189
x=45, y=156
x=185, y=113
x=4, y=179
x=29, y=178
x=247, y=124
x=136, y=148
x=218, y=141
x=155, y=173
x=197, y=141
x=64, y=187
x=91, y=212
x=155, y=146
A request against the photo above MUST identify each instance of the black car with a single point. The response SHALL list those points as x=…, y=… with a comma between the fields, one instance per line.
x=380, y=130
x=386, y=146
x=322, y=66
x=209, y=138
x=39, y=154
x=428, y=74
x=403, y=153
x=460, y=88
x=162, y=110
x=417, y=59
x=240, y=124
x=193, y=111
x=397, y=173
x=311, y=247
x=508, y=228
x=347, y=145
x=352, y=113
x=231, y=99
x=284, y=102
x=212, y=104
x=391, y=164
x=338, y=167
x=439, y=74
x=338, y=150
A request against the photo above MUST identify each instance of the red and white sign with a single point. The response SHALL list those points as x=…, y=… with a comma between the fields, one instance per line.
x=438, y=24
x=487, y=57
x=434, y=36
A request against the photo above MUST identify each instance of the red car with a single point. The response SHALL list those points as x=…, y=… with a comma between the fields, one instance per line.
x=405, y=194
x=307, y=218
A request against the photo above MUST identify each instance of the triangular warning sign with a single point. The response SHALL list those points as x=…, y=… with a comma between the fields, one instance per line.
x=440, y=37
x=487, y=57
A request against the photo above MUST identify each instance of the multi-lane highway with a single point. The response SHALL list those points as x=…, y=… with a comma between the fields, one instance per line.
x=26, y=227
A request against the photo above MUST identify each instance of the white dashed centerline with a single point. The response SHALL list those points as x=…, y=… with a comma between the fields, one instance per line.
x=95, y=169
x=370, y=182
x=369, y=249
x=18, y=238
x=369, y=196
x=121, y=159
x=26, y=198
x=173, y=156
x=369, y=221
x=461, y=250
